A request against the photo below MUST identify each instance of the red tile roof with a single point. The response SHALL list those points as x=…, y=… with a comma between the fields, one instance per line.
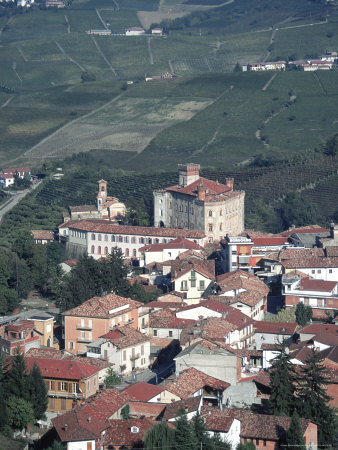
x=190, y=404
x=305, y=230
x=318, y=328
x=104, y=226
x=43, y=234
x=62, y=369
x=181, y=267
x=192, y=189
x=167, y=319
x=16, y=169
x=271, y=241
x=179, y=243
x=191, y=380
x=61, y=354
x=125, y=336
x=121, y=434
x=103, y=307
x=308, y=284
x=145, y=409
x=142, y=391
x=217, y=420
x=286, y=328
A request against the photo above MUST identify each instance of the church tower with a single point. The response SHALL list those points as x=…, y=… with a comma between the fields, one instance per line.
x=102, y=194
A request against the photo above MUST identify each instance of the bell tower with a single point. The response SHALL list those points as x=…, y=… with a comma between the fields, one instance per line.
x=102, y=194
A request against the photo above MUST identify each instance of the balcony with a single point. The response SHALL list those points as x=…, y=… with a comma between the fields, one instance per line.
x=84, y=327
x=65, y=394
x=83, y=340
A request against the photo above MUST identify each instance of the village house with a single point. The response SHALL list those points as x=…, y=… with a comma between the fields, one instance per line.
x=243, y=291
x=194, y=383
x=69, y=382
x=274, y=333
x=321, y=295
x=164, y=324
x=262, y=66
x=222, y=423
x=306, y=237
x=330, y=240
x=19, y=335
x=128, y=433
x=143, y=392
x=164, y=252
x=21, y=172
x=191, y=405
x=97, y=316
x=42, y=236
x=125, y=347
x=214, y=359
x=85, y=426
x=106, y=208
x=97, y=238
x=6, y=179
x=197, y=203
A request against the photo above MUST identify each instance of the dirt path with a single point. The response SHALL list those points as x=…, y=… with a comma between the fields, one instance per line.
x=103, y=56
x=7, y=23
x=68, y=24
x=269, y=82
x=116, y=4
x=272, y=38
x=7, y=102
x=15, y=71
x=151, y=58
x=258, y=132
x=22, y=53
x=69, y=57
x=102, y=21
x=320, y=83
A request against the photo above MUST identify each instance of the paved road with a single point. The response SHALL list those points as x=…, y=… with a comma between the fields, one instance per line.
x=16, y=198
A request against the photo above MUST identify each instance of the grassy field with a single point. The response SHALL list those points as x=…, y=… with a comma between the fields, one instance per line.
x=43, y=55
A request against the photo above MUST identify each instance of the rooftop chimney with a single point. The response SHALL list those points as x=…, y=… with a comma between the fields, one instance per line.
x=230, y=182
x=201, y=190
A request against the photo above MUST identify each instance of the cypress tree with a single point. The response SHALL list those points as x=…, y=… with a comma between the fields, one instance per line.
x=38, y=392
x=294, y=435
x=303, y=314
x=16, y=377
x=313, y=399
x=282, y=378
x=160, y=436
x=185, y=437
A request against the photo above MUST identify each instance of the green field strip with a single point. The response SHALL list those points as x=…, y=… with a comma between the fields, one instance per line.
x=120, y=21
x=82, y=21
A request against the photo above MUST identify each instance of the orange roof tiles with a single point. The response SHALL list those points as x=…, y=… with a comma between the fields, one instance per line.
x=179, y=243
x=142, y=391
x=125, y=336
x=62, y=369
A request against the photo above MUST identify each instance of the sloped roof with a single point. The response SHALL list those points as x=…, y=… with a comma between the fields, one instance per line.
x=43, y=234
x=126, y=336
x=192, y=189
x=145, y=409
x=318, y=328
x=308, y=284
x=285, y=328
x=62, y=369
x=49, y=353
x=178, y=243
x=303, y=230
x=181, y=267
x=189, y=404
x=120, y=432
x=142, y=391
x=191, y=380
x=101, y=307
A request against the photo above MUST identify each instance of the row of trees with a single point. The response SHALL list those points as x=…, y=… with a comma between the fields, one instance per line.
x=302, y=390
x=23, y=394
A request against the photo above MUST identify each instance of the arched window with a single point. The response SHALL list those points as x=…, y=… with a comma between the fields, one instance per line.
x=134, y=252
x=93, y=237
x=106, y=250
x=99, y=250
x=127, y=252
x=93, y=249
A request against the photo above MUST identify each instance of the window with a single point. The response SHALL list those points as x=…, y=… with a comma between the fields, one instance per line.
x=134, y=252
x=133, y=240
x=170, y=333
x=126, y=239
x=51, y=385
x=93, y=249
x=313, y=271
x=193, y=283
x=106, y=250
x=184, y=285
x=264, y=442
x=64, y=386
x=330, y=270
x=127, y=252
x=93, y=237
x=113, y=238
x=155, y=332
x=220, y=212
x=74, y=388
x=99, y=250
x=220, y=227
x=161, y=212
x=106, y=237
x=83, y=335
x=142, y=350
x=99, y=237
x=120, y=238
x=51, y=403
x=210, y=227
x=124, y=355
x=201, y=284
x=210, y=213
x=319, y=271
x=257, y=441
x=71, y=345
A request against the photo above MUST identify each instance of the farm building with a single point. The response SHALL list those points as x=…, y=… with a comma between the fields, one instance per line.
x=104, y=32
x=135, y=31
x=157, y=31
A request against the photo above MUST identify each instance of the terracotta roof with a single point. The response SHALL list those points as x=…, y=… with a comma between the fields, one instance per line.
x=305, y=230
x=160, y=342
x=213, y=187
x=71, y=262
x=62, y=369
x=43, y=234
x=164, y=305
x=318, y=328
x=217, y=420
x=103, y=307
x=16, y=169
x=104, y=226
x=179, y=243
x=125, y=336
x=331, y=250
x=269, y=241
x=141, y=391
x=98, y=408
x=61, y=354
x=121, y=432
x=286, y=328
x=189, y=404
x=308, y=284
x=145, y=409
x=6, y=175
x=181, y=267
x=263, y=377
x=191, y=380
x=82, y=208
x=167, y=319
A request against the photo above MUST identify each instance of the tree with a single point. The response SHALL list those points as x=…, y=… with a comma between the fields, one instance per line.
x=303, y=314
x=16, y=377
x=298, y=210
x=247, y=446
x=331, y=146
x=204, y=440
x=20, y=412
x=38, y=392
x=282, y=378
x=160, y=436
x=3, y=406
x=238, y=67
x=184, y=432
x=294, y=435
x=313, y=401
x=125, y=412
x=112, y=378
x=87, y=77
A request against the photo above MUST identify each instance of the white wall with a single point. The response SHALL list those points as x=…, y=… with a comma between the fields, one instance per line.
x=80, y=445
